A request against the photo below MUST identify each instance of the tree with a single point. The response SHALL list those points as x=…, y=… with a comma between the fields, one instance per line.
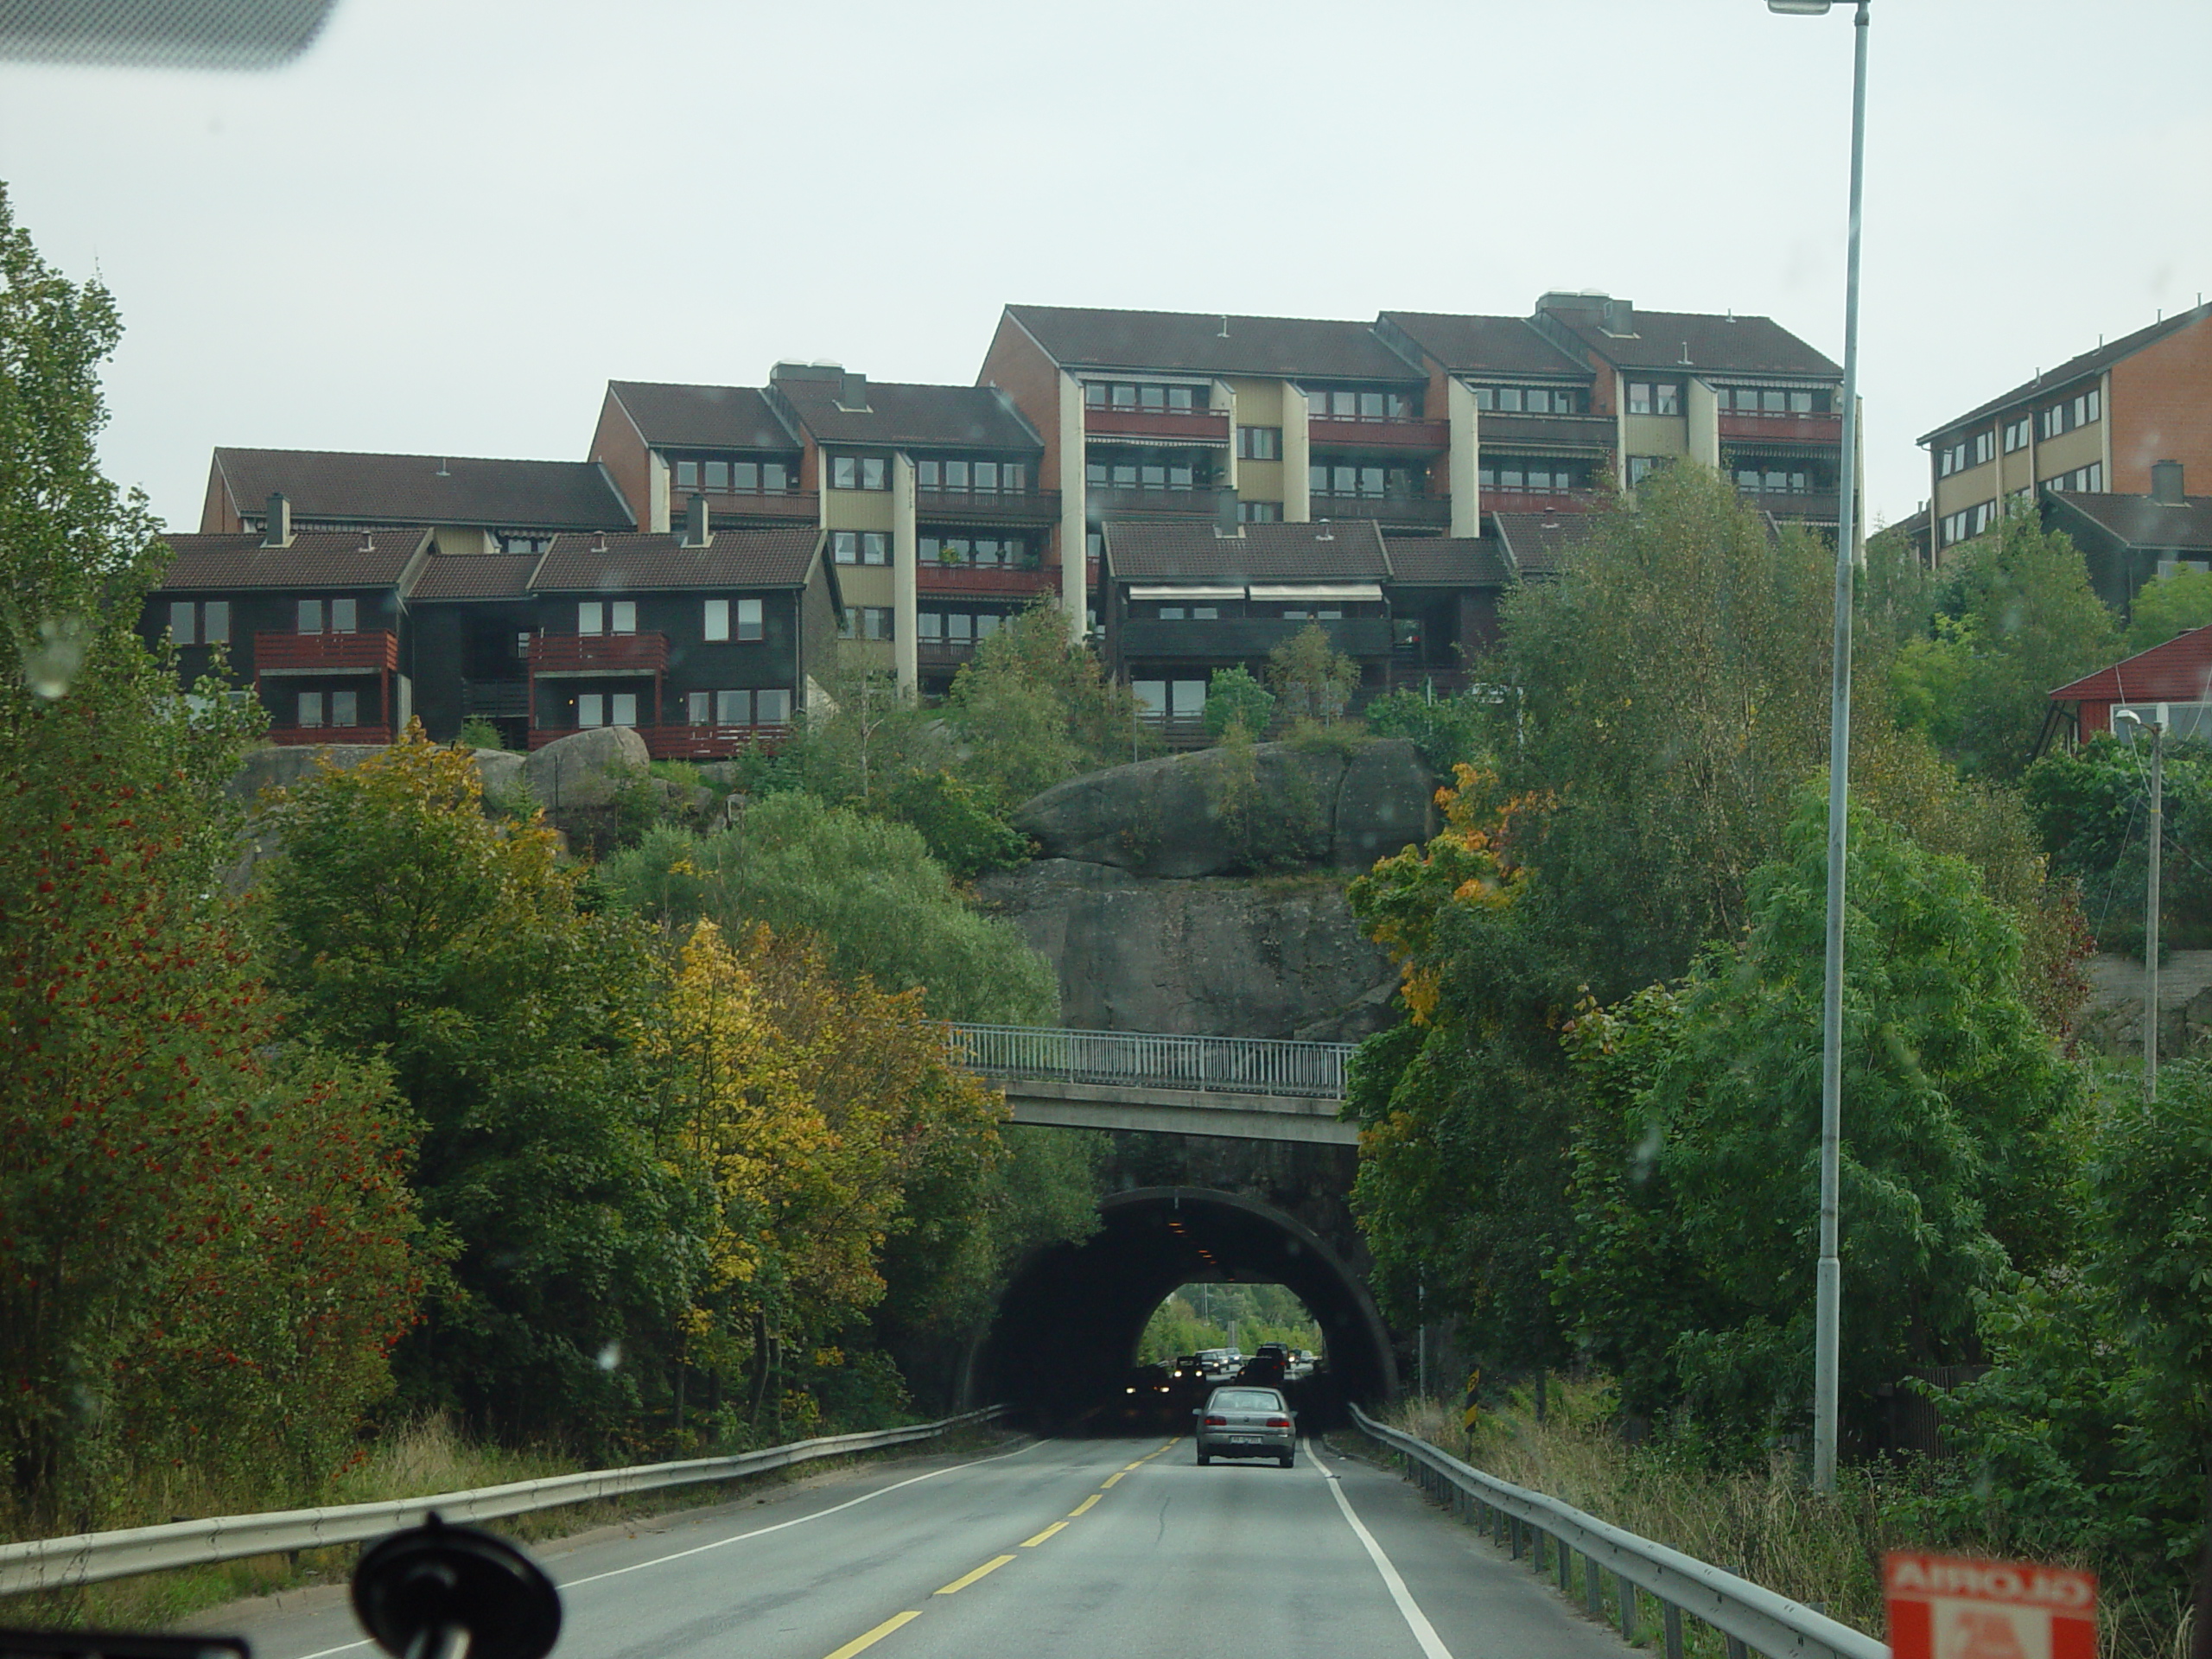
x=2167, y=605
x=1689, y=1270
x=2014, y=617
x=1035, y=707
x=867, y=890
x=1235, y=698
x=2091, y=809
x=1310, y=678
x=407, y=925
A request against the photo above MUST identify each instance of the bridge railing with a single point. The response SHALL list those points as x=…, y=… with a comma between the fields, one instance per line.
x=1250, y=1065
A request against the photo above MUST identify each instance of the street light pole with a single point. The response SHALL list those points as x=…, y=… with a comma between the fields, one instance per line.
x=2150, y=898
x=1828, y=1293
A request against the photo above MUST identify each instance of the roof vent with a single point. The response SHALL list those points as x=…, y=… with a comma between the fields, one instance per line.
x=443, y=471
x=852, y=391
x=1223, y=334
x=368, y=541
x=698, y=531
x=276, y=528
x=831, y=373
x=2165, y=483
x=599, y=545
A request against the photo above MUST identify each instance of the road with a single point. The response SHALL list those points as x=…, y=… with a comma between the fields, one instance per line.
x=1054, y=1549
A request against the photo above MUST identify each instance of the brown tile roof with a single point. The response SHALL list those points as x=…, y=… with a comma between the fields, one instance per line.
x=772, y=557
x=370, y=489
x=1346, y=549
x=2138, y=521
x=1700, y=341
x=474, y=576
x=1497, y=345
x=2074, y=368
x=2178, y=671
x=315, y=559
x=1542, y=543
x=704, y=417
x=1446, y=561
x=975, y=417
x=1193, y=342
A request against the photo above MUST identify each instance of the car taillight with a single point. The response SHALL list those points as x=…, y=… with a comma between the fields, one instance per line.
x=1278, y=1422
x=1217, y=1422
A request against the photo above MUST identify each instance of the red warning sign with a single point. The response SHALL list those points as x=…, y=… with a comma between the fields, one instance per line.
x=1943, y=1607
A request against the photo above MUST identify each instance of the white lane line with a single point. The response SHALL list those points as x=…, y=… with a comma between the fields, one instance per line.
x=800, y=1521
x=325, y=1653
x=1432, y=1645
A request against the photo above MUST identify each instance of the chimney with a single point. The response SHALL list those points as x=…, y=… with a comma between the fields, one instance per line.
x=276, y=528
x=697, y=531
x=852, y=393
x=2165, y=483
x=1619, y=318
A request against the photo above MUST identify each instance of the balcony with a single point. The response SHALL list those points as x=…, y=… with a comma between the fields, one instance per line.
x=1540, y=501
x=597, y=655
x=1426, y=437
x=1554, y=433
x=1119, y=501
x=376, y=651
x=987, y=506
x=301, y=736
x=1416, y=510
x=943, y=653
x=986, y=581
x=1167, y=425
x=1814, y=507
x=495, y=699
x=684, y=743
x=1242, y=638
x=799, y=506
x=1743, y=427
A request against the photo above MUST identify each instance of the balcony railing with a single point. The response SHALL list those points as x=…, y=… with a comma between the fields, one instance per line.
x=987, y=506
x=1242, y=638
x=1538, y=500
x=598, y=653
x=300, y=736
x=372, y=652
x=1177, y=425
x=1247, y=1065
x=805, y=506
x=684, y=742
x=1816, y=506
x=1120, y=501
x=1574, y=433
x=495, y=699
x=1743, y=427
x=1379, y=435
x=986, y=580
x=1390, y=509
x=943, y=653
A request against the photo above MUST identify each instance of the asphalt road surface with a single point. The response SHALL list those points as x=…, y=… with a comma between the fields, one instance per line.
x=1053, y=1549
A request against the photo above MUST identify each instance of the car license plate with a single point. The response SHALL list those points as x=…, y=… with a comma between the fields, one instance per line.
x=1243, y=1439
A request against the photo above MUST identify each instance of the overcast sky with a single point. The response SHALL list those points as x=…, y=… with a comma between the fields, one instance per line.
x=450, y=223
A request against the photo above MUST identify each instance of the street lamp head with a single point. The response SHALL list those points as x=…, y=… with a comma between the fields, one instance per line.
x=1799, y=8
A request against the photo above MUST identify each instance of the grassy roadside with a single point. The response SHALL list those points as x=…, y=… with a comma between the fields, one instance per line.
x=1764, y=1524
x=425, y=1458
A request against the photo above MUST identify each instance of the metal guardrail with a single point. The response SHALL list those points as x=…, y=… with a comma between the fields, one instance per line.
x=91, y=1557
x=1249, y=1065
x=1750, y=1618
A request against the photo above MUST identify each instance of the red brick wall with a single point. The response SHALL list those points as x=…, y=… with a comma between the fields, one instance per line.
x=617, y=447
x=2162, y=411
x=1017, y=365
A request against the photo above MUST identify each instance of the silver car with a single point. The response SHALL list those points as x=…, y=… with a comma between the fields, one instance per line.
x=1246, y=1423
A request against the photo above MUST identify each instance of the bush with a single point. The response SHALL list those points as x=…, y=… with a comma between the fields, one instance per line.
x=1235, y=698
x=1446, y=730
x=478, y=733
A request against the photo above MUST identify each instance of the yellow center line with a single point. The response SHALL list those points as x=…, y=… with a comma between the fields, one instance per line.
x=1085, y=1505
x=1139, y=1464
x=967, y=1579
x=1111, y=1478
x=1026, y=1543
x=862, y=1644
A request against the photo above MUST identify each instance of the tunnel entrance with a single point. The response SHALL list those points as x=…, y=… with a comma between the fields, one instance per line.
x=1068, y=1328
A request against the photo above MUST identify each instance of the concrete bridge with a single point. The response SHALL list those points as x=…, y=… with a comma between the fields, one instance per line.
x=1244, y=1088
x=1225, y=1161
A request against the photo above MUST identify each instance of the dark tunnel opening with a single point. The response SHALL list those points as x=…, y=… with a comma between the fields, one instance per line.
x=1068, y=1326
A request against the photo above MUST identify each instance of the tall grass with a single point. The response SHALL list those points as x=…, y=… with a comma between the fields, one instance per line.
x=1764, y=1524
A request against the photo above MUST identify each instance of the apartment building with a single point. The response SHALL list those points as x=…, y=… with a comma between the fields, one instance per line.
x=468, y=504
x=2097, y=423
x=2129, y=540
x=1419, y=423
x=928, y=494
x=705, y=639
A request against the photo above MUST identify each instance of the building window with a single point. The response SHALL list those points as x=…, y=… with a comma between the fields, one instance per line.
x=1954, y=528
x=771, y=707
x=2065, y=416
x=2016, y=434
x=1655, y=398
x=1773, y=480
x=2090, y=479
x=310, y=708
x=606, y=616
x=611, y=708
x=866, y=622
x=1094, y=545
x=310, y=618
x=1259, y=442
x=975, y=477
x=182, y=614
x=859, y=472
x=1169, y=699
x=591, y=710
x=734, y=477
x=1985, y=448
x=1984, y=516
x=861, y=546
x=1951, y=458
x=344, y=708
x=715, y=626
x=1642, y=467
x=1351, y=404
x=1540, y=476
x=215, y=624
x=749, y=625
x=1176, y=399
x=990, y=552
x=1259, y=512
x=1533, y=400
x=1773, y=400
x=1142, y=469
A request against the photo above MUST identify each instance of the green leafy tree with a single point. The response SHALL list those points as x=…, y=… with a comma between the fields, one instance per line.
x=1448, y=731
x=2167, y=605
x=1034, y=708
x=1235, y=698
x=868, y=889
x=1311, y=678
x=2091, y=807
x=2014, y=618
x=1689, y=1272
x=407, y=925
